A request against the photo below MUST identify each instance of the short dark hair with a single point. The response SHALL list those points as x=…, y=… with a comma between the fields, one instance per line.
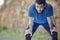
x=40, y=1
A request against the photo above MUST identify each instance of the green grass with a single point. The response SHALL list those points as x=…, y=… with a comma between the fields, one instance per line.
x=59, y=36
x=41, y=36
x=11, y=33
x=16, y=33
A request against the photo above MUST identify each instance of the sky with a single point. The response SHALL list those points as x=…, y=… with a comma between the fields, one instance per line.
x=1, y=2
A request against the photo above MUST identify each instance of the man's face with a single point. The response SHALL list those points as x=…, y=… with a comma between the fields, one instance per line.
x=39, y=7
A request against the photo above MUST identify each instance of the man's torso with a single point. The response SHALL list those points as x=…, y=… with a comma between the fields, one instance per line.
x=39, y=17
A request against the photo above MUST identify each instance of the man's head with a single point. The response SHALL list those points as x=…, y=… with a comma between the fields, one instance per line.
x=40, y=4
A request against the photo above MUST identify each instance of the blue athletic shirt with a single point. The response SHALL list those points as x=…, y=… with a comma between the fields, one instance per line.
x=40, y=18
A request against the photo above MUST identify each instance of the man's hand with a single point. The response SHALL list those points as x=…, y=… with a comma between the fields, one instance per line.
x=28, y=32
x=54, y=29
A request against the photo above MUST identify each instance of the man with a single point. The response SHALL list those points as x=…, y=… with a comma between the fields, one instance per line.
x=40, y=13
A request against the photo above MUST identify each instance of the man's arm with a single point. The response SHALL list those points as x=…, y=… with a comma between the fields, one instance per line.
x=29, y=31
x=31, y=20
x=50, y=22
x=49, y=19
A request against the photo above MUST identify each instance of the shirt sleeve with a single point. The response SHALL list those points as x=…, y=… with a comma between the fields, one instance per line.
x=49, y=11
x=30, y=11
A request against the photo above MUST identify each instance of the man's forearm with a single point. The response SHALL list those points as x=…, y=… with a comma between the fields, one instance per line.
x=31, y=20
x=50, y=22
x=31, y=24
x=51, y=25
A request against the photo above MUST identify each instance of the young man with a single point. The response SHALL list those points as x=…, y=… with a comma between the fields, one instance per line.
x=40, y=13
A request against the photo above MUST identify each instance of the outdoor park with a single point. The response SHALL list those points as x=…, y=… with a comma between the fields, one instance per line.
x=14, y=18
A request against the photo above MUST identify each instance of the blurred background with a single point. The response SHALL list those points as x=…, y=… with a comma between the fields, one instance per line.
x=14, y=18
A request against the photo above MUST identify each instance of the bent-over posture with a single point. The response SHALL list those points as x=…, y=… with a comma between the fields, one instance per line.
x=40, y=13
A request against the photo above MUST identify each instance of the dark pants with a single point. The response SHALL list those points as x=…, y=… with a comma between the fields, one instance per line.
x=46, y=27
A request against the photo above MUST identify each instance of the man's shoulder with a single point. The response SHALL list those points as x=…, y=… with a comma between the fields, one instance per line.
x=31, y=6
x=48, y=5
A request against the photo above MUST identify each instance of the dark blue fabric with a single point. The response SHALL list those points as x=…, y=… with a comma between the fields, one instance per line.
x=36, y=25
x=46, y=27
x=40, y=17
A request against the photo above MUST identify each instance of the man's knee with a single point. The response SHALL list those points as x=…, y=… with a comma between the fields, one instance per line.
x=54, y=35
x=28, y=35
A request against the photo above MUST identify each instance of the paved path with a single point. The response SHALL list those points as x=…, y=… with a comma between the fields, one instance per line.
x=8, y=38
